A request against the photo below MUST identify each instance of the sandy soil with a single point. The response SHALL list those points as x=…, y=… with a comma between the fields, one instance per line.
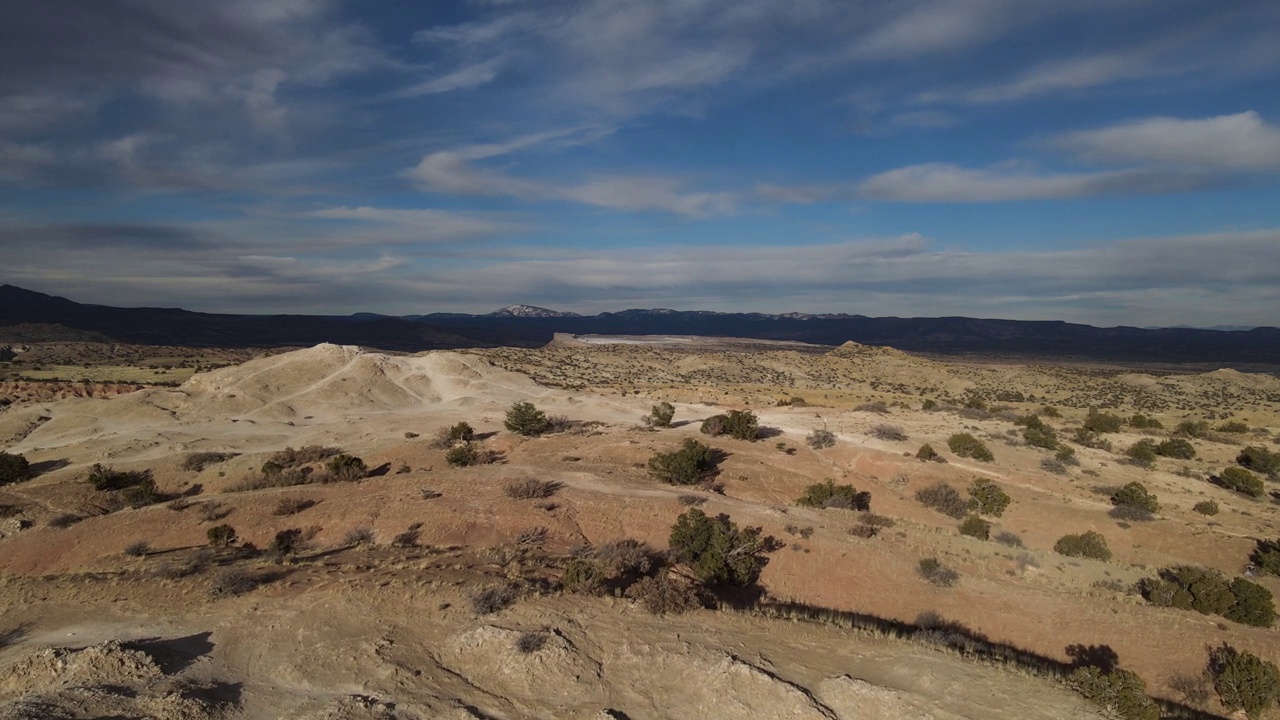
x=383, y=632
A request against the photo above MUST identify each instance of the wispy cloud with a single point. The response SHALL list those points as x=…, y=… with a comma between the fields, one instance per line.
x=1240, y=142
x=943, y=182
x=422, y=225
x=456, y=172
x=463, y=78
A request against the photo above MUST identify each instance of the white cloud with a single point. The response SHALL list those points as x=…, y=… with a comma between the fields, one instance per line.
x=943, y=182
x=454, y=171
x=463, y=78
x=1241, y=142
x=424, y=224
x=21, y=162
x=1072, y=74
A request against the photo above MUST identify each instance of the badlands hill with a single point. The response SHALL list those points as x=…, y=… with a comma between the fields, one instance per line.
x=112, y=610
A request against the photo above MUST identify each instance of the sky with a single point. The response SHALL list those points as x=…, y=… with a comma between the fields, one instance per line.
x=1111, y=162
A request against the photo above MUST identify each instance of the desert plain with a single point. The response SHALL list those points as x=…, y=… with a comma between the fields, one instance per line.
x=115, y=608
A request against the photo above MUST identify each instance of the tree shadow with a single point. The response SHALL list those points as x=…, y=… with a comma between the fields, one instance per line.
x=379, y=471
x=1099, y=656
x=764, y=433
x=216, y=693
x=35, y=470
x=173, y=655
x=484, y=436
x=14, y=635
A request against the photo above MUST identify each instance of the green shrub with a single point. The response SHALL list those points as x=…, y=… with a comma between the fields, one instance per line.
x=1142, y=422
x=142, y=494
x=1037, y=433
x=974, y=526
x=107, y=478
x=525, y=419
x=1206, y=507
x=285, y=543
x=447, y=437
x=1176, y=448
x=584, y=577
x=718, y=552
x=935, y=573
x=1121, y=692
x=306, y=455
x=661, y=414
x=943, y=498
x=1101, y=422
x=1089, y=545
x=986, y=498
x=13, y=468
x=929, y=405
x=1192, y=428
x=968, y=446
x=926, y=453
x=1253, y=604
x=1243, y=680
x=1233, y=427
x=1090, y=439
x=1045, y=438
x=693, y=463
x=1266, y=555
x=1241, y=481
x=345, y=468
x=830, y=495
x=1142, y=453
x=1050, y=411
x=1135, y=494
x=464, y=455
x=820, y=439
x=221, y=535
x=738, y=424
x=1260, y=460
x=1208, y=592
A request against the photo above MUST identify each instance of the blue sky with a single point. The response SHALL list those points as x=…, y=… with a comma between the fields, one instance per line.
x=1101, y=161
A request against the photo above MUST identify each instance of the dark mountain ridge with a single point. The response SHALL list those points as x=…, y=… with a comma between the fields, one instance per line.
x=536, y=326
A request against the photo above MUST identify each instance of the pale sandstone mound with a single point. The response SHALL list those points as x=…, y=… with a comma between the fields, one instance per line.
x=261, y=401
x=556, y=674
x=854, y=699
x=688, y=683
x=106, y=680
x=335, y=378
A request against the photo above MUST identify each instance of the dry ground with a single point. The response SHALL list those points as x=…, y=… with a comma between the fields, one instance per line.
x=384, y=632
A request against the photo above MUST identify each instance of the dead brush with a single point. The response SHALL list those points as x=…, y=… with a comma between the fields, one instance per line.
x=408, y=538
x=627, y=556
x=530, y=642
x=196, y=462
x=213, y=511
x=293, y=506
x=663, y=595
x=885, y=431
x=533, y=537
x=530, y=489
x=494, y=598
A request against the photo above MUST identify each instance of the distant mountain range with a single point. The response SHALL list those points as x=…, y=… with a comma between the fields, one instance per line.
x=529, y=326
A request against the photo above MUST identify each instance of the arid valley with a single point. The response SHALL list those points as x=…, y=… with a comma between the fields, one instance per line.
x=422, y=586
